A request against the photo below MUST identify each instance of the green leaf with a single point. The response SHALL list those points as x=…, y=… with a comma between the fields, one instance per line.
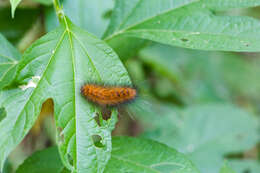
x=143, y=157
x=9, y=58
x=130, y=13
x=146, y=156
x=56, y=66
x=87, y=14
x=205, y=132
x=14, y=4
x=226, y=169
x=183, y=24
x=47, y=160
x=225, y=33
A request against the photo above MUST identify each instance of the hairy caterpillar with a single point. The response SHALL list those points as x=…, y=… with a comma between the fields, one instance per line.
x=108, y=95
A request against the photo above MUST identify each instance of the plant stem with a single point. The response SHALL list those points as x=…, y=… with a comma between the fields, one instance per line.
x=58, y=9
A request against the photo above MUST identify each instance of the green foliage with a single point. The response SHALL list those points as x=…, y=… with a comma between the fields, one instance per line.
x=128, y=155
x=130, y=13
x=56, y=66
x=82, y=13
x=208, y=73
x=199, y=97
x=47, y=160
x=184, y=23
x=141, y=155
x=193, y=131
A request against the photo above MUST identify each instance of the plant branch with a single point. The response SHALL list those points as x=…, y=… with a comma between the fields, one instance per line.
x=58, y=9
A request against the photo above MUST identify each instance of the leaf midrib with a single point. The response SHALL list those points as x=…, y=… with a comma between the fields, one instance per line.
x=71, y=34
x=73, y=67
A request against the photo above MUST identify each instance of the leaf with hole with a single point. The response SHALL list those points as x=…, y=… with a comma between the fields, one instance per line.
x=56, y=66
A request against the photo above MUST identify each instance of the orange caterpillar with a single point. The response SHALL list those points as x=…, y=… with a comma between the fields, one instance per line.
x=108, y=95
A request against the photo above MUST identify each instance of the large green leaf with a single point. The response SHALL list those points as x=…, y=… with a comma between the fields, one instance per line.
x=47, y=160
x=87, y=14
x=56, y=66
x=146, y=156
x=205, y=132
x=178, y=28
x=184, y=24
x=9, y=58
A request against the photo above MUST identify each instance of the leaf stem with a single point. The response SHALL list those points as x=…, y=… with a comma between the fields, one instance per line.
x=58, y=9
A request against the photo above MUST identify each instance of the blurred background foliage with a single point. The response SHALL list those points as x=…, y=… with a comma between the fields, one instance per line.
x=204, y=104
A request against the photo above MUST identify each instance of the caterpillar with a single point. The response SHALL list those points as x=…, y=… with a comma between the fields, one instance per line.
x=108, y=95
